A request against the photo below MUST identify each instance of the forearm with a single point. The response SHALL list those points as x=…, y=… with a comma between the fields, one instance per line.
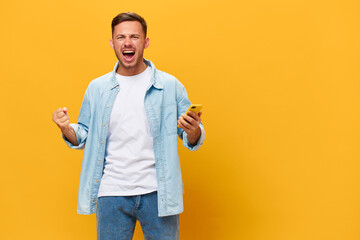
x=194, y=138
x=70, y=135
x=198, y=144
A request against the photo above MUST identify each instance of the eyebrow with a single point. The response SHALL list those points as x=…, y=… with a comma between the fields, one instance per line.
x=122, y=34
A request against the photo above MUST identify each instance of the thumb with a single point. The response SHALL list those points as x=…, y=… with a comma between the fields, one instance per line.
x=64, y=109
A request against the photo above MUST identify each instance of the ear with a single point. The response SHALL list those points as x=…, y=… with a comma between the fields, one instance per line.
x=111, y=43
x=147, y=43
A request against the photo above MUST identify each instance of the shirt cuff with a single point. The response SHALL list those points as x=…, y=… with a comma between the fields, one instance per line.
x=76, y=128
x=199, y=142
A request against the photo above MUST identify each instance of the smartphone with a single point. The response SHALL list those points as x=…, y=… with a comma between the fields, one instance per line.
x=194, y=108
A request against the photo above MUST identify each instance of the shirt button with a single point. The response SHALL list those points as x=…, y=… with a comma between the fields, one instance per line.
x=99, y=162
x=104, y=124
x=102, y=142
x=93, y=200
x=107, y=106
x=96, y=180
x=117, y=86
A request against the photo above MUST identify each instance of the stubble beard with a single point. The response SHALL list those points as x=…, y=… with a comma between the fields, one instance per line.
x=133, y=65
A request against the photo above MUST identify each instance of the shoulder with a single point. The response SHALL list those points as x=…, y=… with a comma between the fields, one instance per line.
x=167, y=79
x=100, y=85
x=173, y=88
x=101, y=81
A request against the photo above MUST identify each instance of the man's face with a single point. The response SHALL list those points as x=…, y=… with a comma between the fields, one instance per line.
x=129, y=42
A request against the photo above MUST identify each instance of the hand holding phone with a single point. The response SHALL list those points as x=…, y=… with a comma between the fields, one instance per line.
x=194, y=108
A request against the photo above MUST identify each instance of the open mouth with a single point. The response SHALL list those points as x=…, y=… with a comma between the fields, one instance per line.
x=128, y=55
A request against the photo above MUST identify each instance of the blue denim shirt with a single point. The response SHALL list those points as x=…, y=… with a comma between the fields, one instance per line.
x=165, y=100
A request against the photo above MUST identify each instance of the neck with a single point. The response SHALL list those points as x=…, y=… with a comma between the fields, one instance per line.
x=124, y=71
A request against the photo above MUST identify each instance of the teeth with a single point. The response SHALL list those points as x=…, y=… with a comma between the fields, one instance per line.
x=128, y=52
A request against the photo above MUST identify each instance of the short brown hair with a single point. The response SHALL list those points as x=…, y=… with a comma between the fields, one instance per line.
x=128, y=16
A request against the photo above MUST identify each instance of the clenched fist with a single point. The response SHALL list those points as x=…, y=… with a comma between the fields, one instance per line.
x=61, y=118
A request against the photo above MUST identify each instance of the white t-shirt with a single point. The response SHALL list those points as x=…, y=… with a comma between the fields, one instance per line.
x=129, y=159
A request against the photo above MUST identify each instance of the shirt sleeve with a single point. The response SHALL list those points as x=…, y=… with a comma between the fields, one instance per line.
x=81, y=128
x=183, y=103
x=199, y=142
x=81, y=135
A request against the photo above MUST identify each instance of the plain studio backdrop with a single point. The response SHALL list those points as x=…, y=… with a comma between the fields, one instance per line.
x=279, y=82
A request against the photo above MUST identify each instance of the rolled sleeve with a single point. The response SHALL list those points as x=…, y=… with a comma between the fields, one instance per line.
x=199, y=142
x=81, y=135
x=183, y=104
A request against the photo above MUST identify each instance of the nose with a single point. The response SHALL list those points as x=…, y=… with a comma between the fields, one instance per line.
x=127, y=42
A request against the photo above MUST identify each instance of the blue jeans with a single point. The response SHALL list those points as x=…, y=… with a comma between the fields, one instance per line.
x=116, y=218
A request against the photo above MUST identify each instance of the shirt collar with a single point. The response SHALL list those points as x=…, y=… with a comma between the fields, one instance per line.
x=154, y=81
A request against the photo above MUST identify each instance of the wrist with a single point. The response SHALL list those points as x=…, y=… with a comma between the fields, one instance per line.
x=194, y=138
x=66, y=129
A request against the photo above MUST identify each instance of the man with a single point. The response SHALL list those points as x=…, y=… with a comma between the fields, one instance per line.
x=129, y=122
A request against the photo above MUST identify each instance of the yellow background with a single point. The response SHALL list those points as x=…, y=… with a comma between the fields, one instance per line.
x=279, y=81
